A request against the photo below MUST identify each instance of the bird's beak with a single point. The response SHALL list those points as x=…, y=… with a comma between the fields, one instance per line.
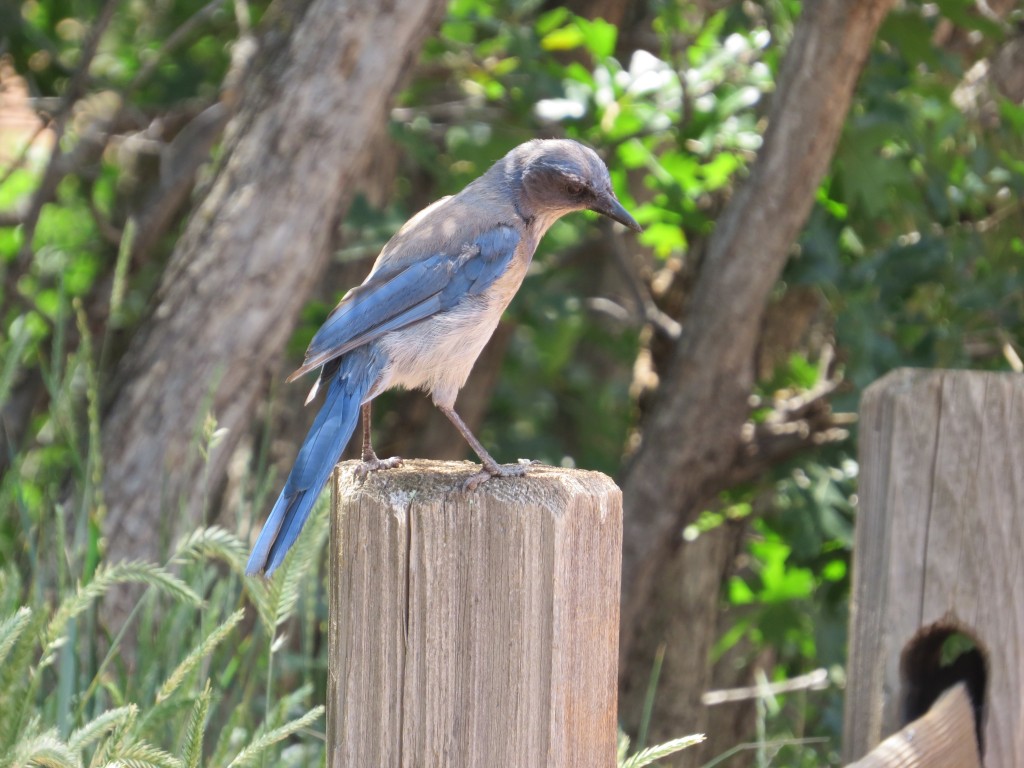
x=612, y=208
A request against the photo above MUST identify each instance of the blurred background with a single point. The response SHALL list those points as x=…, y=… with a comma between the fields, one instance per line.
x=186, y=189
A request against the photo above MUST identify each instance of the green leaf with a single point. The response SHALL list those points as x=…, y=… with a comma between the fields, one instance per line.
x=913, y=36
x=551, y=20
x=563, y=39
x=740, y=592
x=19, y=186
x=599, y=36
x=665, y=239
x=780, y=583
x=720, y=170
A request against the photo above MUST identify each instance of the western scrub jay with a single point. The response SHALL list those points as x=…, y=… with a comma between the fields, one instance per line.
x=426, y=310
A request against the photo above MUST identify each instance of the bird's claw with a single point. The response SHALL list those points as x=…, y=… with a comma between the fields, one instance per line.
x=376, y=465
x=498, y=470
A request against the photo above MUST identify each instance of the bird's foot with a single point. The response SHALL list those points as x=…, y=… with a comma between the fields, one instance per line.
x=497, y=470
x=373, y=464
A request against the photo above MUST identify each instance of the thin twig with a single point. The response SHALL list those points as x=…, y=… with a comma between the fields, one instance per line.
x=647, y=308
x=76, y=88
x=242, y=16
x=812, y=681
x=106, y=228
x=794, y=424
x=179, y=35
x=63, y=163
x=20, y=159
x=774, y=744
x=12, y=217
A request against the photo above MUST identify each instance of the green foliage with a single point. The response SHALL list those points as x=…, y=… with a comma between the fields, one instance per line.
x=914, y=245
x=198, y=689
x=912, y=239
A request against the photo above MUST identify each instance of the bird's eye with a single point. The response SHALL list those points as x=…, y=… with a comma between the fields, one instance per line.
x=573, y=189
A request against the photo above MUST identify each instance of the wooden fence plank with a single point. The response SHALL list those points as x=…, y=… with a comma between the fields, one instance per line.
x=941, y=738
x=940, y=531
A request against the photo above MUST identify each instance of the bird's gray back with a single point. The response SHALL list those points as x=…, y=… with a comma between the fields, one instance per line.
x=449, y=224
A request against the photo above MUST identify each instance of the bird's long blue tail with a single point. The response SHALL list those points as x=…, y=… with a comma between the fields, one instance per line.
x=356, y=373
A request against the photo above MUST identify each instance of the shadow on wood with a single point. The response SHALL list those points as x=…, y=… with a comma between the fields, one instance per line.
x=938, y=593
x=473, y=628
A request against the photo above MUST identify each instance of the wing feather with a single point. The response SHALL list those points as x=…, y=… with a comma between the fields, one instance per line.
x=389, y=301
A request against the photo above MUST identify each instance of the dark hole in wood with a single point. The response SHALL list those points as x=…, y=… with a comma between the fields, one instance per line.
x=936, y=659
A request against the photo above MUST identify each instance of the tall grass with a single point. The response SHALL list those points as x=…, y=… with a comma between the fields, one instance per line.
x=209, y=668
x=189, y=697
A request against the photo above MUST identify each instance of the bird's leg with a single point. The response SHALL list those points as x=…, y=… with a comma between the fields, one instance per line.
x=370, y=461
x=491, y=467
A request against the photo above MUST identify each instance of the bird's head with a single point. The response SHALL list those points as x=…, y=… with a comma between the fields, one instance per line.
x=558, y=176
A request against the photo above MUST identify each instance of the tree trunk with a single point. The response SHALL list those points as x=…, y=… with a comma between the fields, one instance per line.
x=694, y=598
x=316, y=96
x=691, y=438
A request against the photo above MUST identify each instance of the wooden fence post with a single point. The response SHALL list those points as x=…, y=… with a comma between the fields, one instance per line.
x=473, y=629
x=938, y=580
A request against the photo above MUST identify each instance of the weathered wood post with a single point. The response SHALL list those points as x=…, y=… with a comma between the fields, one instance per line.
x=938, y=590
x=473, y=629
x=943, y=737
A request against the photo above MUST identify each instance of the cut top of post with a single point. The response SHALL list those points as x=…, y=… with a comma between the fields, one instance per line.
x=552, y=488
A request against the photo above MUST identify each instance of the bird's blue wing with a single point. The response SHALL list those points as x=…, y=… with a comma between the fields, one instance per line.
x=393, y=299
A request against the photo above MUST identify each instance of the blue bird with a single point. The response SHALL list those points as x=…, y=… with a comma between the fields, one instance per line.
x=425, y=312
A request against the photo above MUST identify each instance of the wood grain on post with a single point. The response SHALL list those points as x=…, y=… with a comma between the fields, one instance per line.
x=941, y=738
x=473, y=628
x=940, y=532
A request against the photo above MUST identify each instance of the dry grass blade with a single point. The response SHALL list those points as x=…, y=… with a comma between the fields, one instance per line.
x=100, y=725
x=653, y=754
x=45, y=750
x=11, y=628
x=251, y=754
x=106, y=577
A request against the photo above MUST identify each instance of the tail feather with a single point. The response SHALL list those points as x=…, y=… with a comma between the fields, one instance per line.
x=321, y=450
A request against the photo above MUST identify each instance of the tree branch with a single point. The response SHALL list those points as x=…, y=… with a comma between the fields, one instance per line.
x=54, y=169
x=812, y=681
x=795, y=425
x=316, y=94
x=694, y=431
x=173, y=40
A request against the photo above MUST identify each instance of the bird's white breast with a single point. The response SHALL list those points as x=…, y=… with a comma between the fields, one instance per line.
x=438, y=353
